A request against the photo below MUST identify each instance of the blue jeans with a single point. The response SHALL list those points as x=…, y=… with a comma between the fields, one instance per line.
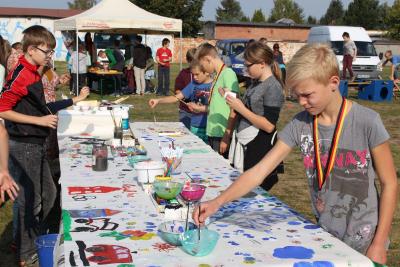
x=163, y=80
x=185, y=117
x=30, y=169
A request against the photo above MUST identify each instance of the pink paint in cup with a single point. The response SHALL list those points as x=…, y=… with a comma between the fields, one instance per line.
x=193, y=192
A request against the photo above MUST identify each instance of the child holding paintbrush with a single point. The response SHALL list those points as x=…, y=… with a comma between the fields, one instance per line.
x=197, y=91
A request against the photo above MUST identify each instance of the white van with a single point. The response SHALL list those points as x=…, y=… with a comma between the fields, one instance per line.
x=367, y=64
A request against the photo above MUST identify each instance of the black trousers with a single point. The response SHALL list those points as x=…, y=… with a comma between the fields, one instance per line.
x=255, y=151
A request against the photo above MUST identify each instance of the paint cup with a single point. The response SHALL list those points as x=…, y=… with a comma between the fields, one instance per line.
x=45, y=247
x=99, y=157
x=117, y=132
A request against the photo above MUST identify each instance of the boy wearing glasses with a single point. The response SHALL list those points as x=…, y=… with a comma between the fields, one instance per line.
x=27, y=119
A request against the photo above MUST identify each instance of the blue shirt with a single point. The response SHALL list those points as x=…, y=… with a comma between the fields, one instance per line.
x=395, y=60
x=198, y=93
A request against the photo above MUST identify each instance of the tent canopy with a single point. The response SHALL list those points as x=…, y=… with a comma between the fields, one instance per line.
x=118, y=16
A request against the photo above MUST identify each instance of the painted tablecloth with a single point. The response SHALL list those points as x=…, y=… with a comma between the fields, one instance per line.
x=109, y=220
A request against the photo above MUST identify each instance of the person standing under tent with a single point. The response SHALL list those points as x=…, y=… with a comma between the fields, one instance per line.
x=163, y=58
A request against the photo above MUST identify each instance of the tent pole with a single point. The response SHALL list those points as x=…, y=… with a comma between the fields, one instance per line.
x=180, y=35
x=77, y=63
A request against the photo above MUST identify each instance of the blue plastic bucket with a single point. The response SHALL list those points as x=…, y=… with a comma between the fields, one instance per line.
x=45, y=247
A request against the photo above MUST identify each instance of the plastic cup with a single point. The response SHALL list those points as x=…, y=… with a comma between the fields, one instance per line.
x=45, y=247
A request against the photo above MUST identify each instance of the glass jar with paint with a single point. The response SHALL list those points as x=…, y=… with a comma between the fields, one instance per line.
x=99, y=157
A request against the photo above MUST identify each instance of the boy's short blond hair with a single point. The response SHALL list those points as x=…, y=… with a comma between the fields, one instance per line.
x=206, y=49
x=316, y=61
x=195, y=64
x=37, y=35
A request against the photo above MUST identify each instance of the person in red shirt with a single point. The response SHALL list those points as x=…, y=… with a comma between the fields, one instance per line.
x=163, y=58
x=27, y=120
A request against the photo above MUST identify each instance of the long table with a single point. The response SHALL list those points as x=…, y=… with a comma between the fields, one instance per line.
x=109, y=220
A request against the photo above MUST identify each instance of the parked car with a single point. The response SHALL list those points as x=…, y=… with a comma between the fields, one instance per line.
x=367, y=64
x=232, y=52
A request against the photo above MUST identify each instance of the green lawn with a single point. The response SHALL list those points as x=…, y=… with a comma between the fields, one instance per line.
x=292, y=187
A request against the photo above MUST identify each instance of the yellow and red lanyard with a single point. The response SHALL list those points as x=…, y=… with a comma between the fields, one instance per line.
x=214, y=82
x=323, y=175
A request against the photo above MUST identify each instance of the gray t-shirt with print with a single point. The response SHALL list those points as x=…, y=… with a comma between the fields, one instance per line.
x=349, y=47
x=259, y=96
x=347, y=204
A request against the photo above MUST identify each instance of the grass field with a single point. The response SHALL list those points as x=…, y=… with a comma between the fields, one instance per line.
x=292, y=187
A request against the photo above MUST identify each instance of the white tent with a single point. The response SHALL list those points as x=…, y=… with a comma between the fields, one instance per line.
x=119, y=16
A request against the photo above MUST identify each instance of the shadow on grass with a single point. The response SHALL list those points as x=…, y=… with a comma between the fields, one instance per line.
x=8, y=257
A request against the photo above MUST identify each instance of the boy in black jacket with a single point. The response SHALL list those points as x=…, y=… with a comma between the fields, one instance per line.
x=28, y=119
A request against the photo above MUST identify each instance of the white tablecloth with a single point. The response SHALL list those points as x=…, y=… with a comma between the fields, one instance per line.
x=110, y=221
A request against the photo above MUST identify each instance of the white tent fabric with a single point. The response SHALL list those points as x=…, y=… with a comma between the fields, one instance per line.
x=118, y=15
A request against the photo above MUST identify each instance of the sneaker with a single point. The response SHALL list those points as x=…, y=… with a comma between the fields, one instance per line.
x=30, y=261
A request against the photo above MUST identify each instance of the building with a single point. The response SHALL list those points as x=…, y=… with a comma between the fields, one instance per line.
x=272, y=31
x=13, y=21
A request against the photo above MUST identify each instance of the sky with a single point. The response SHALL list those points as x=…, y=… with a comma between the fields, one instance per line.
x=315, y=8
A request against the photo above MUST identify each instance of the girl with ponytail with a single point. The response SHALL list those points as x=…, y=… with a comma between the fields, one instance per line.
x=258, y=112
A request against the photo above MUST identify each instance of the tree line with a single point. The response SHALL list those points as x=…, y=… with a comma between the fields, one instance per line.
x=370, y=14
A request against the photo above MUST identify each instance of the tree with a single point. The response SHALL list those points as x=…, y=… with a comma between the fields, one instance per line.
x=189, y=11
x=286, y=9
x=230, y=10
x=258, y=16
x=334, y=14
x=312, y=20
x=362, y=13
x=81, y=4
x=393, y=20
x=245, y=19
x=383, y=13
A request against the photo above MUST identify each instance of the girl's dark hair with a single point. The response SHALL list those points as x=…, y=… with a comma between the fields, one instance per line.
x=259, y=52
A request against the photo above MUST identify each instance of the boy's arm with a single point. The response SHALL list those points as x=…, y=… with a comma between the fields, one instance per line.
x=226, y=139
x=165, y=100
x=355, y=51
x=246, y=182
x=45, y=121
x=392, y=68
x=258, y=121
x=159, y=61
x=7, y=184
x=384, y=167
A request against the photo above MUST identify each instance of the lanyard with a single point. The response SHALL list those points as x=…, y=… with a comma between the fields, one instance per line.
x=322, y=176
x=214, y=82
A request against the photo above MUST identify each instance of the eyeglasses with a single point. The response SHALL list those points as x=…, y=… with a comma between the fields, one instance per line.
x=249, y=65
x=48, y=53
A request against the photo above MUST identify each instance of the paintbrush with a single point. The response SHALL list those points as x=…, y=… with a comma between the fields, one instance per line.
x=180, y=100
x=154, y=115
x=112, y=116
x=48, y=110
x=199, y=221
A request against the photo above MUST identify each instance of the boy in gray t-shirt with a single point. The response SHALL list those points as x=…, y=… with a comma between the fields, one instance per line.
x=343, y=145
x=347, y=204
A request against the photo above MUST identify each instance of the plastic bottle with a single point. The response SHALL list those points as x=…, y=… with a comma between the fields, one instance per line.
x=125, y=120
